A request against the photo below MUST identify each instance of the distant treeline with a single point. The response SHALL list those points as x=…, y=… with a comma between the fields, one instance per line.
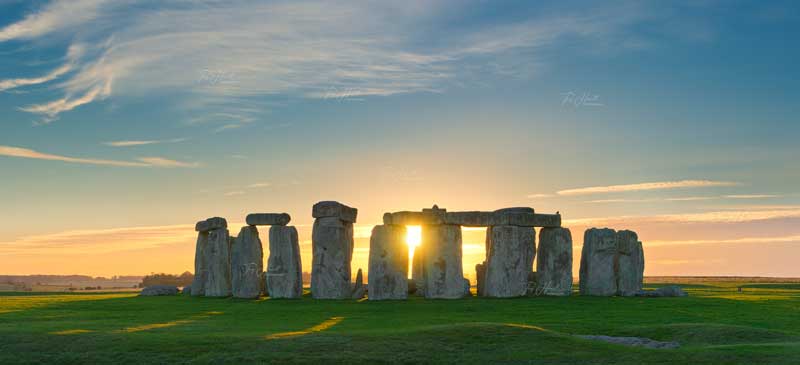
x=184, y=279
x=65, y=279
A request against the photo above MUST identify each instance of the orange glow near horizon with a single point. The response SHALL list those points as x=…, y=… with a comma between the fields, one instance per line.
x=413, y=240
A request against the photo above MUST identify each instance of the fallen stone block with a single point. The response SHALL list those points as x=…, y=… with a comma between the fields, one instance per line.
x=159, y=290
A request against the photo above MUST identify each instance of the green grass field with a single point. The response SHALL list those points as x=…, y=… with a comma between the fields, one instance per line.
x=716, y=324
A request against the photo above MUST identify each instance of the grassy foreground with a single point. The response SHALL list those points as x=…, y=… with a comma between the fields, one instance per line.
x=716, y=324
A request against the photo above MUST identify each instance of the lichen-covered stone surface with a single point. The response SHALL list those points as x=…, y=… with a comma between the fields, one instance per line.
x=388, y=263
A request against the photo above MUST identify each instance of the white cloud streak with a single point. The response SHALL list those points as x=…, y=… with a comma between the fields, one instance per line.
x=727, y=216
x=142, y=143
x=20, y=152
x=662, y=185
x=226, y=53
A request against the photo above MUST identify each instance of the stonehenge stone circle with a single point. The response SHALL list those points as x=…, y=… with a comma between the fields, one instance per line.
x=247, y=264
x=388, y=263
x=612, y=263
x=444, y=277
x=218, y=269
x=284, y=278
x=268, y=219
x=554, y=262
x=200, y=265
x=509, y=260
x=630, y=264
x=332, y=249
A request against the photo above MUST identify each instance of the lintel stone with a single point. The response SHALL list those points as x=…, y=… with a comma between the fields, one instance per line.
x=268, y=219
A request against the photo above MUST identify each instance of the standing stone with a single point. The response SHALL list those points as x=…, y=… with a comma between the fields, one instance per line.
x=218, y=259
x=388, y=263
x=509, y=260
x=326, y=209
x=284, y=278
x=247, y=263
x=630, y=264
x=332, y=247
x=598, y=257
x=418, y=269
x=359, y=289
x=200, y=265
x=444, y=276
x=554, y=264
x=480, y=277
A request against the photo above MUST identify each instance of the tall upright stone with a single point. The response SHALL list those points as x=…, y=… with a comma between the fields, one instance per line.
x=629, y=263
x=247, y=264
x=480, y=278
x=444, y=276
x=332, y=247
x=418, y=270
x=598, y=257
x=218, y=260
x=388, y=263
x=200, y=265
x=554, y=263
x=284, y=269
x=509, y=260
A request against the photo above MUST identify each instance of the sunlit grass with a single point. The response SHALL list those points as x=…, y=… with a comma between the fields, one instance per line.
x=317, y=328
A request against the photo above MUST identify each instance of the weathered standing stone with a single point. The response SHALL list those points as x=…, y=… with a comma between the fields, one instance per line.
x=284, y=278
x=509, y=260
x=444, y=276
x=332, y=247
x=268, y=219
x=327, y=209
x=554, y=263
x=388, y=263
x=218, y=260
x=200, y=264
x=418, y=270
x=480, y=275
x=630, y=264
x=211, y=224
x=359, y=289
x=597, y=276
x=247, y=264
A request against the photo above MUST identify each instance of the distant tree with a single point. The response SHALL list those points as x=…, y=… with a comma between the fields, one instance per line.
x=184, y=279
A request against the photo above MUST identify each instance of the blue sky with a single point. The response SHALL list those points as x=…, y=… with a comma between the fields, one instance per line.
x=144, y=116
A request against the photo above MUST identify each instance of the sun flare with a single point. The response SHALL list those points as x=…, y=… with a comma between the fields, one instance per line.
x=413, y=240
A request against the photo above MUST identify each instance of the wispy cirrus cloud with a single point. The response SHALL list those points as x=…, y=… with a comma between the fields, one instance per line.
x=289, y=48
x=722, y=216
x=661, y=185
x=20, y=152
x=142, y=142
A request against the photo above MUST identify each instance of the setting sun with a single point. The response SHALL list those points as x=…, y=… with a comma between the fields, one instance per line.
x=413, y=239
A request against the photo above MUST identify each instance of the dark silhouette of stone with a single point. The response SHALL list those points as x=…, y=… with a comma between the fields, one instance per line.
x=359, y=289
x=268, y=219
x=211, y=224
x=158, y=290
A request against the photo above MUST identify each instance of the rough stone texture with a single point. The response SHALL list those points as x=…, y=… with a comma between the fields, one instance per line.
x=554, y=263
x=413, y=218
x=218, y=260
x=327, y=209
x=597, y=276
x=666, y=291
x=247, y=264
x=634, y=341
x=268, y=219
x=527, y=210
x=629, y=266
x=284, y=277
x=480, y=275
x=388, y=263
x=467, y=287
x=359, y=289
x=157, y=290
x=510, y=254
x=332, y=247
x=211, y=224
x=444, y=276
x=469, y=219
x=547, y=220
x=200, y=265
